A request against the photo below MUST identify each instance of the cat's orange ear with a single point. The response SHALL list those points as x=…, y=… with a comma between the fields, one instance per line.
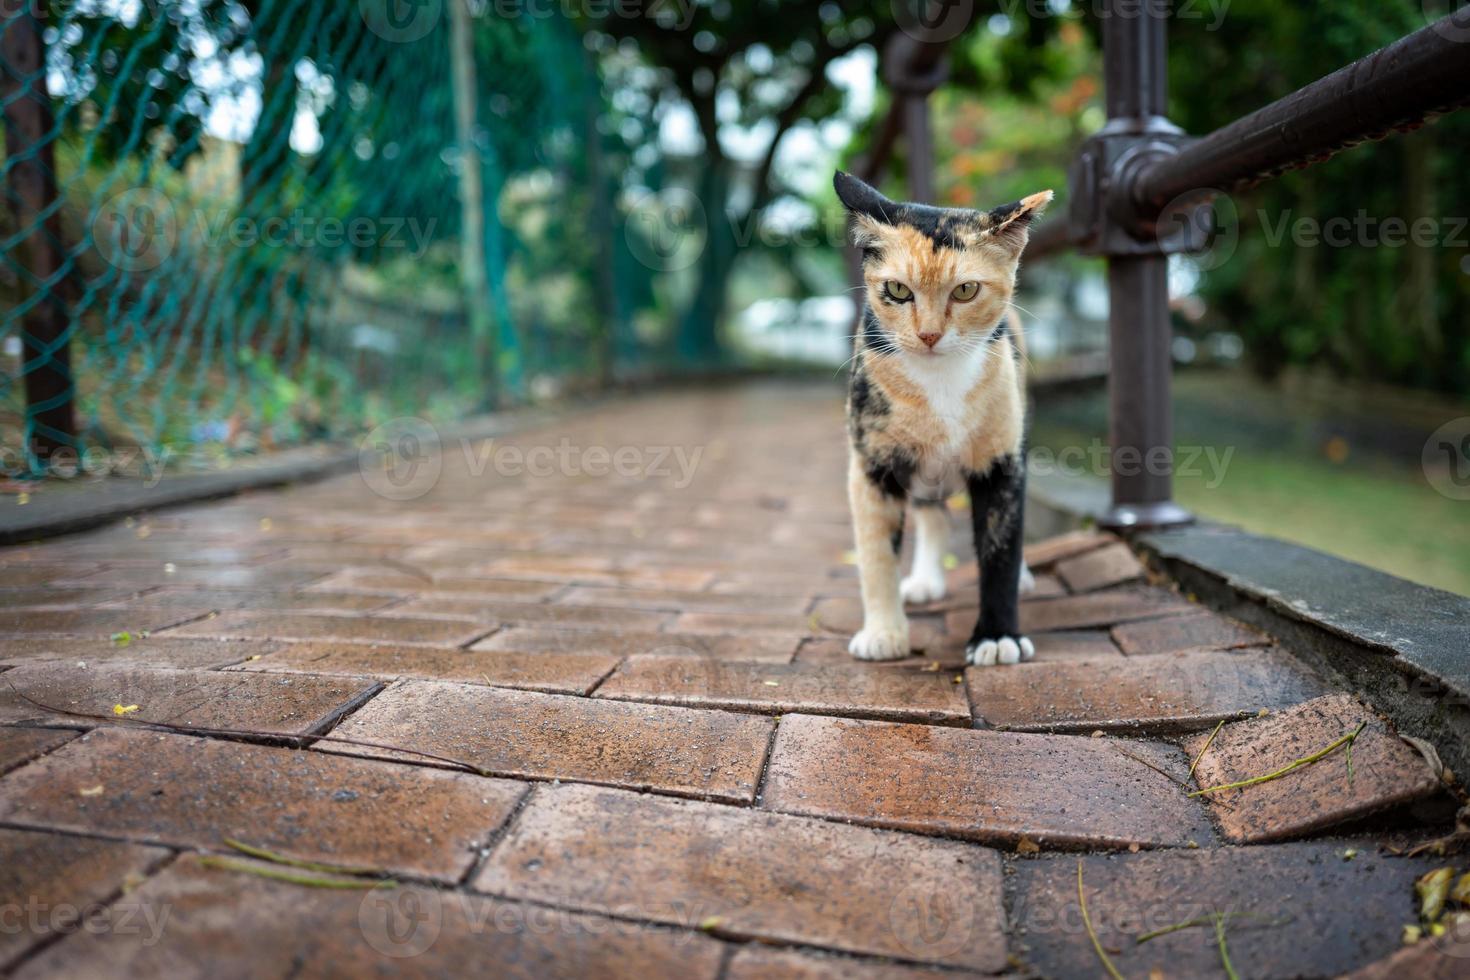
x=861, y=198
x=1010, y=224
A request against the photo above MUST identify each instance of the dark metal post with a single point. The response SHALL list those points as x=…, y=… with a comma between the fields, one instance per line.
x=30, y=178
x=1141, y=427
x=919, y=136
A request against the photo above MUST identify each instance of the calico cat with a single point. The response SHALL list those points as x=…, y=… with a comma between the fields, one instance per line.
x=936, y=404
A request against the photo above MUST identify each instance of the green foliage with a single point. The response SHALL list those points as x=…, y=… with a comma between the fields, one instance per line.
x=1364, y=309
x=308, y=283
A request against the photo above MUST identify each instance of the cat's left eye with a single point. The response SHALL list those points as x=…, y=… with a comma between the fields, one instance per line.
x=966, y=291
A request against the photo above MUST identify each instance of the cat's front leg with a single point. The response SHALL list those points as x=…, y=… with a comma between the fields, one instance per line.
x=998, y=499
x=876, y=497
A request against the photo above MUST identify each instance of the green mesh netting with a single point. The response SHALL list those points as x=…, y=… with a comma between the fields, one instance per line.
x=256, y=223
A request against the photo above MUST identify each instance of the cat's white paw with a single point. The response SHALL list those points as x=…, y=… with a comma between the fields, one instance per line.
x=1028, y=581
x=876, y=643
x=920, y=588
x=1006, y=650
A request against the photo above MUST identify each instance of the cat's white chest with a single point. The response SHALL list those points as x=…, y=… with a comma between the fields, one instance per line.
x=946, y=383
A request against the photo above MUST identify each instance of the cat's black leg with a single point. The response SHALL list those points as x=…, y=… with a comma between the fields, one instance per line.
x=998, y=502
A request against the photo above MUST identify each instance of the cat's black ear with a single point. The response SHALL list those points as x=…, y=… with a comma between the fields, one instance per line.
x=1010, y=224
x=860, y=198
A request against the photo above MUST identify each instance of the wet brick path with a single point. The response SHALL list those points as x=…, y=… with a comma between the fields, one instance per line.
x=589, y=708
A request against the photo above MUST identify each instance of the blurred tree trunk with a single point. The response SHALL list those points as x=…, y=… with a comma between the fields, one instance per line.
x=1417, y=294
x=31, y=192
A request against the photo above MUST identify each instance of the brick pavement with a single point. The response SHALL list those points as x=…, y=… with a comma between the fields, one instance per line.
x=643, y=750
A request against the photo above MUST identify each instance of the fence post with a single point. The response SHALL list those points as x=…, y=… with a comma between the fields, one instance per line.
x=473, y=268
x=1141, y=430
x=30, y=178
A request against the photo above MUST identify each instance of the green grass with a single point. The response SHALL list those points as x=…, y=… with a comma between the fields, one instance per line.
x=1373, y=507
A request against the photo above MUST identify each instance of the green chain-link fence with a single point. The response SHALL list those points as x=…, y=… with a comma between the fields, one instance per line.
x=232, y=225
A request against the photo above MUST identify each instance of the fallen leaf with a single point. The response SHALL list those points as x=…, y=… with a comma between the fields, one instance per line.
x=118, y=709
x=122, y=639
x=1412, y=934
x=265, y=523
x=1027, y=846
x=950, y=562
x=22, y=499
x=710, y=922
x=771, y=683
x=1350, y=853
x=1133, y=848
x=252, y=658
x=1461, y=892
x=1433, y=888
x=94, y=791
x=1430, y=754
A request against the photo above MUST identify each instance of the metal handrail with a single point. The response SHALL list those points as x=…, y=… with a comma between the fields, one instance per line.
x=1140, y=168
x=1394, y=88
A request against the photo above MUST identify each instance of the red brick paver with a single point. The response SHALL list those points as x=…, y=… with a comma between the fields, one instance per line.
x=196, y=698
x=1380, y=772
x=346, y=629
x=983, y=785
x=768, y=648
x=556, y=673
x=48, y=880
x=20, y=745
x=1159, y=693
x=778, y=688
x=712, y=754
x=244, y=925
x=1100, y=569
x=642, y=749
x=748, y=874
x=153, y=651
x=194, y=792
x=1197, y=631
x=1294, y=910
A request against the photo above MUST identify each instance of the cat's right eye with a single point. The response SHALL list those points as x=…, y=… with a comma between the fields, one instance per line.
x=897, y=291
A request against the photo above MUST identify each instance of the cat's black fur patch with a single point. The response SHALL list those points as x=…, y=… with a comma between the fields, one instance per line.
x=892, y=474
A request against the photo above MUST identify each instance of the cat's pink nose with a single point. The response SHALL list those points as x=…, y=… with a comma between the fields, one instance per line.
x=930, y=339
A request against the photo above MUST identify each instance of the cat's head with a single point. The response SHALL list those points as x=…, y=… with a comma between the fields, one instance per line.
x=938, y=279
